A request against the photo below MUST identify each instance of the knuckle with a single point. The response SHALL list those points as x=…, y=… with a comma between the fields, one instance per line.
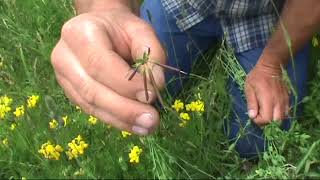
x=95, y=60
x=80, y=25
x=60, y=82
x=69, y=27
x=89, y=109
x=145, y=28
x=265, y=119
x=55, y=60
x=128, y=116
x=88, y=93
x=258, y=121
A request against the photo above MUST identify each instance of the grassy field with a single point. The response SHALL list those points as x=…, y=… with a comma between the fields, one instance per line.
x=29, y=30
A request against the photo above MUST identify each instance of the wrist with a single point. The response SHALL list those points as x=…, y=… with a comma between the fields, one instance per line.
x=272, y=60
x=270, y=64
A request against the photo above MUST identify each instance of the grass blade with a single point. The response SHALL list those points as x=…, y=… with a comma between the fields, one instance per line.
x=134, y=73
x=145, y=85
x=154, y=84
x=169, y=67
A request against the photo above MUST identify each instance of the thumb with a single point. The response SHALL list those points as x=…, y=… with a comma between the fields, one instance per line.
x=252, y=102
x=144, y=40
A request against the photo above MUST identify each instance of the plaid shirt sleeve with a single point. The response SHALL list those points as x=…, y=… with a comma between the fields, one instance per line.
x=188, y=12
x=247, y=24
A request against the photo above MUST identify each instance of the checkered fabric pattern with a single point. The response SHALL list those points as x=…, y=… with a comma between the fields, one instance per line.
x=247, y=24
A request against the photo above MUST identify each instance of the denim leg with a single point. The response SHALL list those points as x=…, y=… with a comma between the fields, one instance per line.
x=182, y=47
x=253, y=141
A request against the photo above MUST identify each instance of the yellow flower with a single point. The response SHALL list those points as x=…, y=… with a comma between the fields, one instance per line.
x=125, y=134
x=32, y=101
x=50, y=151
x=92, y=120
x=76, y=147
x=5, y=103
x=183, y=123
x=315, y=41
x=19, y=111
x=178, y=105
x=5, y=142
x=80, y=172
x=5, y=100
x=134, y=154
x=78, y=108
x=23, y=178
x=195, y=106
x=185, y=116
x=4, y=110
x=53, y=124
x=13, y=126
x=65, y=121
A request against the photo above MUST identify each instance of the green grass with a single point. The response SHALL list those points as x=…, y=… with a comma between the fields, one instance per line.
x=29, y=31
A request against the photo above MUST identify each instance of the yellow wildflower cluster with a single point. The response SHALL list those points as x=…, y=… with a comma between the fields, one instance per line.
x=178, y=105
x=134, y=154
x=51, y=151
x=185, y=117
x=194, y=106
x=5, y=103
x=76, y=148
x=19, y=111
x=65, y=121
x=13, y=126
x=5, y=142
x=53, y=124
x=80, y=172
x=92, y=120
x=32, y=101
x=78, y=108
x=125, y=134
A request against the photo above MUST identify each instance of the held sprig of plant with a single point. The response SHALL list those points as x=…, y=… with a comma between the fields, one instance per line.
x=144, y=66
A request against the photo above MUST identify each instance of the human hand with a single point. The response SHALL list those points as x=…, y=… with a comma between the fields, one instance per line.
x=91, y=61
x=267, y=94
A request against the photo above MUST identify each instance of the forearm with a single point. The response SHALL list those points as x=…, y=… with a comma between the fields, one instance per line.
x=83, y=6
x=298, y=21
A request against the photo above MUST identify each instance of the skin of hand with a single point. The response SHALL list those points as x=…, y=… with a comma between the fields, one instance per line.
x=266, y=92
x=92, y=61
x=267, y=95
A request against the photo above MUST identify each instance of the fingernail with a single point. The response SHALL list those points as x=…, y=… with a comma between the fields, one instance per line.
x=145, y=120
x=139, y=130
x=141, y=96
x=251, y=113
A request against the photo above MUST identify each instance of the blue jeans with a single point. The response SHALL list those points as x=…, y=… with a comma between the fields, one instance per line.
x=183, y=48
